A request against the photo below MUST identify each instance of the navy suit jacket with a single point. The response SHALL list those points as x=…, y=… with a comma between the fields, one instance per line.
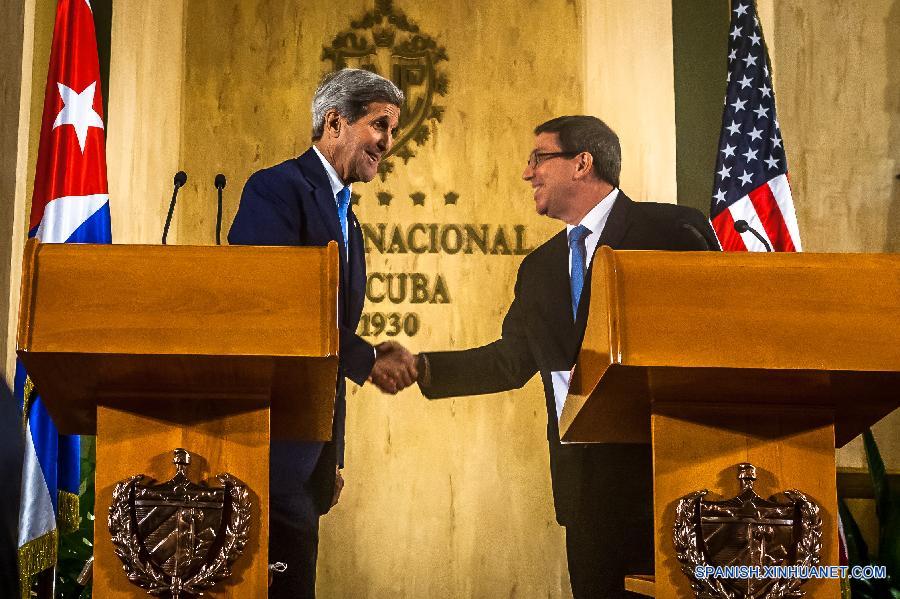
x=540, y=335
x=292, y=204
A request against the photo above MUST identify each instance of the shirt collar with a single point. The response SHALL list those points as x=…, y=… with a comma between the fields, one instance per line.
x=595, y=220
x=333, y=178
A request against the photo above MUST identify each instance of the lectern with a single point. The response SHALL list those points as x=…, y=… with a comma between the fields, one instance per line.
x=211, y=349
x=719, y=359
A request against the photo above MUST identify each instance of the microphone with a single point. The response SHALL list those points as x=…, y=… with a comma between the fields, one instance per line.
x=180, y=180
x=220, y=185
x=704, y=244
x=741, y=226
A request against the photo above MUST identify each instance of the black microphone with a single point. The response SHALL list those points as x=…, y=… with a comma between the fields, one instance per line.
x=180, y=180
x=220, y=185
x=741, y=226
x=704, y=243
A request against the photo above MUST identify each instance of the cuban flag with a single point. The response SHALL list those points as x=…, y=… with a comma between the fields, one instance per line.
x=70, y=204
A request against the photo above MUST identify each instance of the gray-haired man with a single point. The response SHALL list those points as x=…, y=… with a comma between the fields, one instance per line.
x=306, y=201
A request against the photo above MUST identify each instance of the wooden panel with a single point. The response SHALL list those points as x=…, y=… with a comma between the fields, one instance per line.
x=829, y=334
x=299, y=390
x=796, y=311
x=180, y=300
x=642, y=585
x=699, y=448
x=129, y=444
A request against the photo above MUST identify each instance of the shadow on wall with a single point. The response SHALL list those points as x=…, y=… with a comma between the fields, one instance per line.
x=10, y=474
x=892, y=103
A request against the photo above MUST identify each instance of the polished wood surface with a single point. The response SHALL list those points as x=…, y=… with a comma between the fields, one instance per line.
x=698, y=447
x=130, y=443
x=718, y=359
x=804, y=329
x=154, y=348
x=640, y=584
x=126, y=323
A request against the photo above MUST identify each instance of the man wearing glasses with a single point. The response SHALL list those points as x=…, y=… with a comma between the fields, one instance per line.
x=602, y=492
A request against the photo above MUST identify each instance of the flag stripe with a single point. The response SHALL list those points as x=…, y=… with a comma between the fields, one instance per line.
x=729, y=239
x=770, y=217
x=781, y=189
x=743, y=209
x=63, y=216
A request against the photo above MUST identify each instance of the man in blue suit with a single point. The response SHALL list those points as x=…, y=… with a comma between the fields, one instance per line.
x=306, y=201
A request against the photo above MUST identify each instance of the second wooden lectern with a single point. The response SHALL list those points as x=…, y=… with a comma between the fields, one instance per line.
x=211, y=349
x=721, y=359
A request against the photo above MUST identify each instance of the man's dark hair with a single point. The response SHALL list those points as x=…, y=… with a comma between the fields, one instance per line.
x=582, y=133
x=350, y=91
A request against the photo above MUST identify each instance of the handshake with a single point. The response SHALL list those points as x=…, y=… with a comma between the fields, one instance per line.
x=395, y=367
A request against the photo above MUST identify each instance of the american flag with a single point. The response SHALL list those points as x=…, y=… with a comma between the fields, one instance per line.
x=751, y=181
x=70, y=204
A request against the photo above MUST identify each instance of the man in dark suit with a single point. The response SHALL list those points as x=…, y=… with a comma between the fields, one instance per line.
x=306, y=201
x=602, y=493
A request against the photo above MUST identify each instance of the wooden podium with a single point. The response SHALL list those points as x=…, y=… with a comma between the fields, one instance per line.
x=718, y=359
x=213, y=349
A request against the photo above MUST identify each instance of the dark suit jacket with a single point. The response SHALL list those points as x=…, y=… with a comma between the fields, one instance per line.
x=539, y=334
x=292, y=204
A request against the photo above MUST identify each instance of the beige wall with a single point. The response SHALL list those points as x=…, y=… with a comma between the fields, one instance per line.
x=458, y=488
x=837, y=84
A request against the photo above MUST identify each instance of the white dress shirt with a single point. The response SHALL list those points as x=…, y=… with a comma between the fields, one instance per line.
x=336, y=186
x=595, y=221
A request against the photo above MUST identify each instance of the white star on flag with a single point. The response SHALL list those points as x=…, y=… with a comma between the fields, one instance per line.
x=776, y=141
x=720, y=195
x=734, y=128
x=750, y=155
x=78, y=111
x=762, y=112
x=738, y=105
x=750, y=60
x=755, y=134
x=725, y=172
x=746, y=178
x=745, y=82
x=755, y=39
x=736, y=32
x=772, y=162
x=728, y=150
x=766, y=91
x=741, y=10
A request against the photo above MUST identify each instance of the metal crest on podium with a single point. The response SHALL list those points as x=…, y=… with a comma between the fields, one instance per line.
x=737, y=549
x=179, y=538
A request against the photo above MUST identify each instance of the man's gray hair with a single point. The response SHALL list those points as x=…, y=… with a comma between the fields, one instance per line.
x=350, y=91
x=583, y=133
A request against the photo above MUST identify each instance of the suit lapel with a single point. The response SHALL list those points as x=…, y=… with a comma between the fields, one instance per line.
x=617, y=223
x=317, y=177
x=559, y=289
x=616, y=226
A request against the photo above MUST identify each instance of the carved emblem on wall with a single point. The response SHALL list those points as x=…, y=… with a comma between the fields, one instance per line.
x=385, y=41
x=758, y=536
x=178, y=538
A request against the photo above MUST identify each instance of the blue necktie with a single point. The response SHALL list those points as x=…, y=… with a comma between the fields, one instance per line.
x=579, y=264
x=343, y=202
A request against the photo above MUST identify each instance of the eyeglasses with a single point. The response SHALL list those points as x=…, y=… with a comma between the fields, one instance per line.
x=537, y=158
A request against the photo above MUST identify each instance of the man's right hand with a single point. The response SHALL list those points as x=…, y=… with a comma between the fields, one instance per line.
x=394, y=369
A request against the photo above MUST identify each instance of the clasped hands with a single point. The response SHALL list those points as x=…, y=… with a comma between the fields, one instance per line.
x=394, y=369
